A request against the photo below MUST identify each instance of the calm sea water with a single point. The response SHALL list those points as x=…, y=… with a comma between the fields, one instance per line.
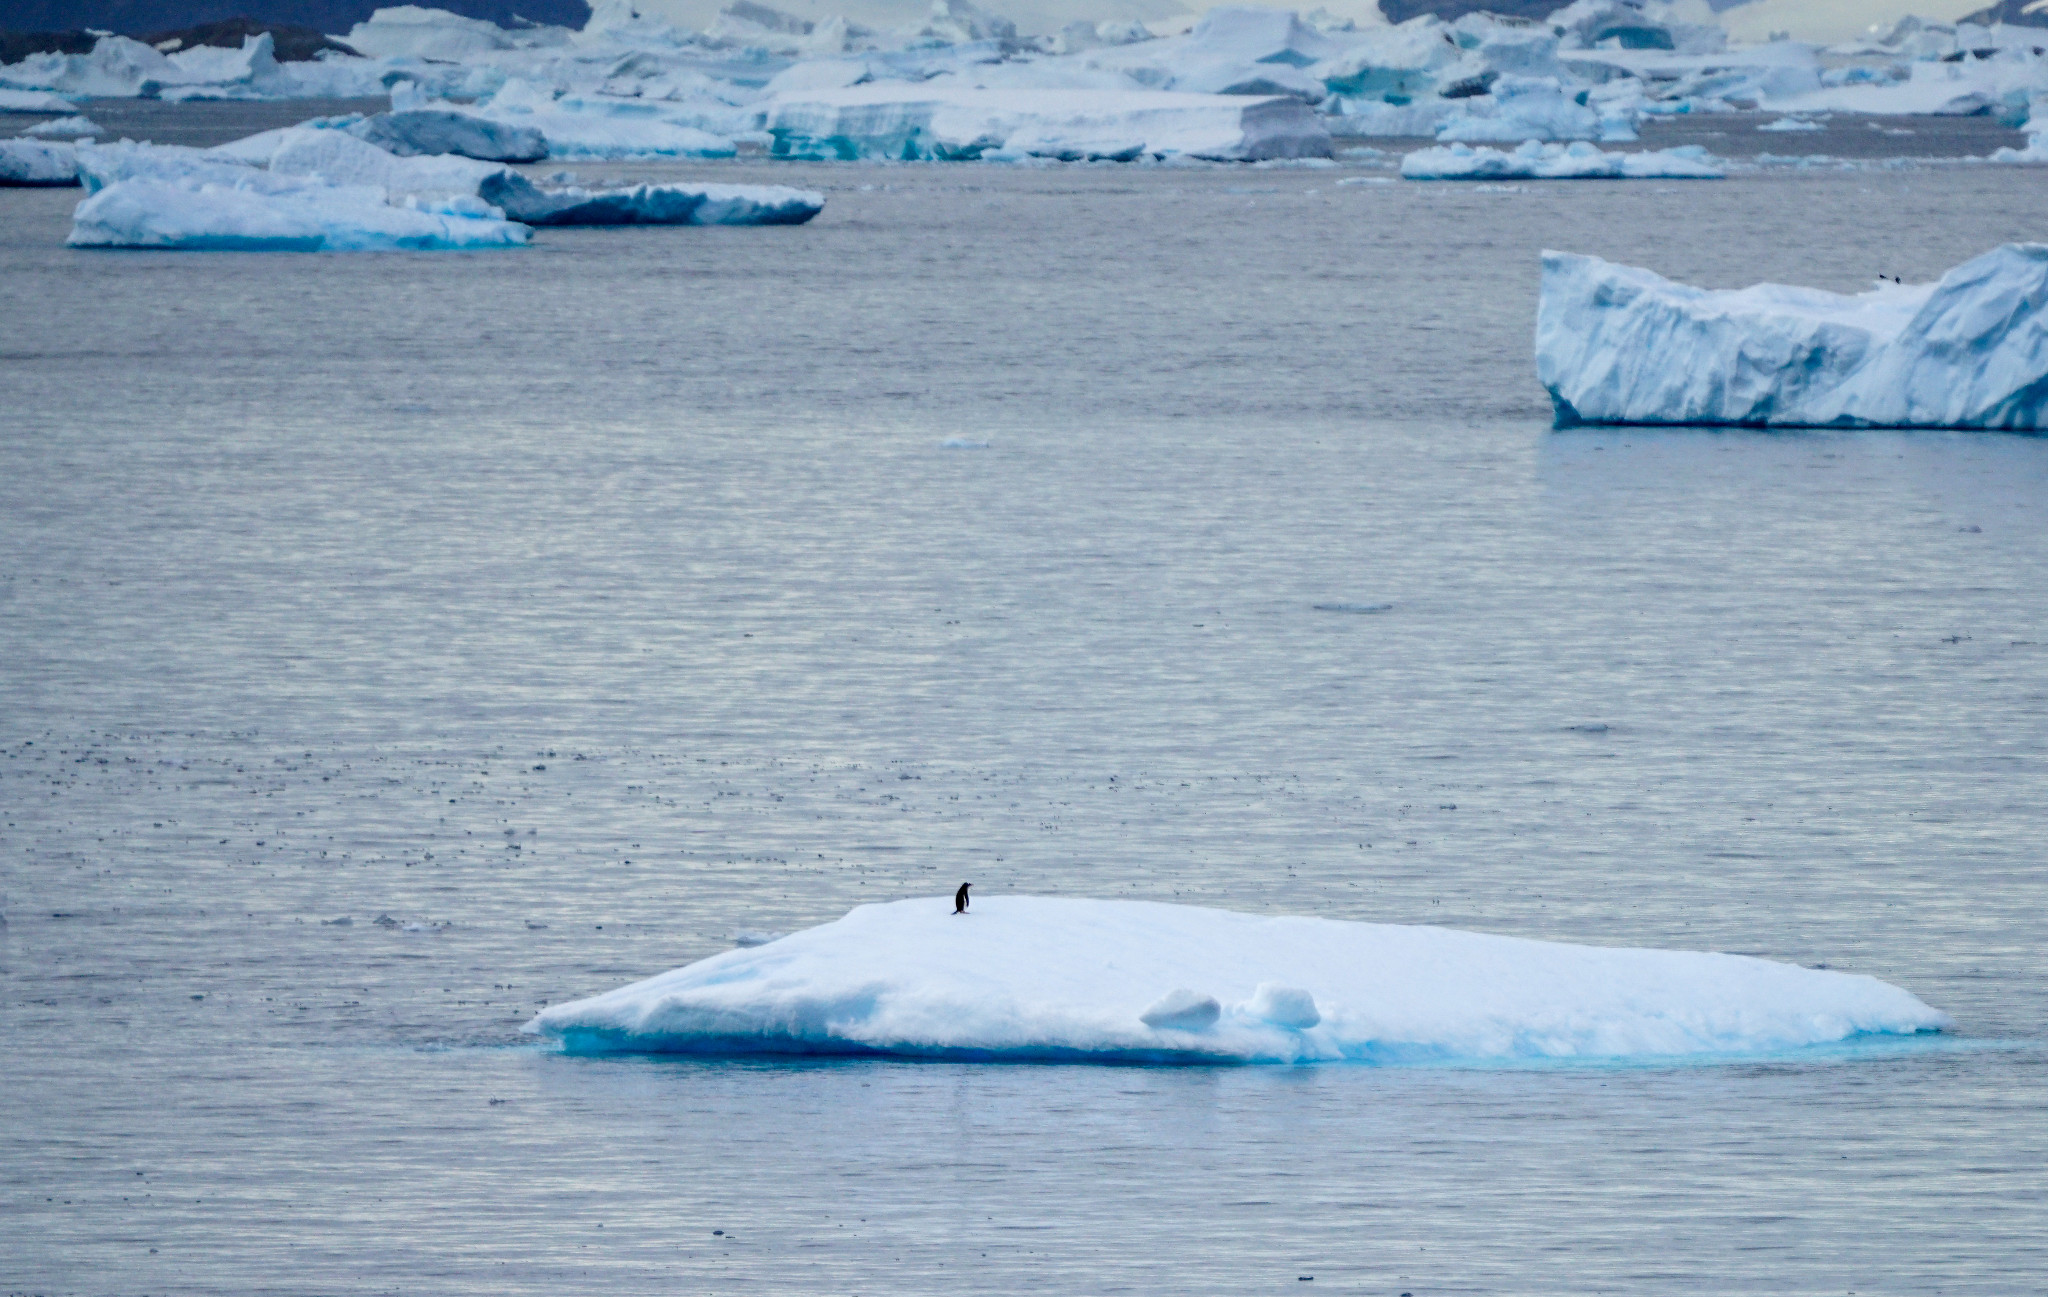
x=579, y=607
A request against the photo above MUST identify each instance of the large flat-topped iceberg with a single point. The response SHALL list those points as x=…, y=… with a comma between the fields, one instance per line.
x=1134, y=981
x=275, y=214
x=1615, y=344
x=911, y=122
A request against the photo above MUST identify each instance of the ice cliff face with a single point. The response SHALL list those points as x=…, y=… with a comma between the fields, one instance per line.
x=1615, y=344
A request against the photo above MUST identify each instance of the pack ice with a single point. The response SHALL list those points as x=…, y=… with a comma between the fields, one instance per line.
x=1025, y=977
x=1615, y=344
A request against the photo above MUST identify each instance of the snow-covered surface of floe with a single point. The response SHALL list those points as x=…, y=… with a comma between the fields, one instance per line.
x=1617, y=344
x=35, y=163
x=1579, y=161
x=1023, y=977
x=899, y=121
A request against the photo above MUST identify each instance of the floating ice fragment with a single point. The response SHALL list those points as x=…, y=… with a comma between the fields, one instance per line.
x=33, y=163
x=65, y=128
x=747, y=938
x=1352, y=607
x=1792, y=124
x=1042, y=977
x=343, y=922
x=1615, y=344
x=962, y=443
x=1183, y=1010
x=1581, y=161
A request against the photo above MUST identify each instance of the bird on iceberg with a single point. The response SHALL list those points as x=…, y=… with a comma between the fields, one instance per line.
x=960, y=899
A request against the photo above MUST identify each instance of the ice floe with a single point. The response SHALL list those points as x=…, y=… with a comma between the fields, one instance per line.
x=34, y=163
x=1578, y=161
x=65, y=128
x=1617, y=344
x=34, y=101
x=1042, y=978
x=663, y=204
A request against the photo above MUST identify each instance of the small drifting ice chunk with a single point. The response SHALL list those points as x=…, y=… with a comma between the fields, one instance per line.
x=34, y=101
x=522, y=200
x=1615, y=344
x=1042, y=977
x=1581, y=161
x=33, y=163
x=65, y=128
x=1352, y=607
x=1792, y=124
x=1183, y=1010
x=963, y=443
x=276, y=214
x=748, y=938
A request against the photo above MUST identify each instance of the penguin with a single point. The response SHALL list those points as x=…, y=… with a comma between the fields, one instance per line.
x=960, y=899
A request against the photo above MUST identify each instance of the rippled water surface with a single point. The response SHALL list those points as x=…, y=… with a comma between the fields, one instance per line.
x=577, y=608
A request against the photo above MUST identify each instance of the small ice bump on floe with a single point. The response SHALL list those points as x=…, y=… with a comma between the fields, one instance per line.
x=1285, y=1006
x=1183, y=1010
x=1353, y=607
x=748, y=937
x=962, y=443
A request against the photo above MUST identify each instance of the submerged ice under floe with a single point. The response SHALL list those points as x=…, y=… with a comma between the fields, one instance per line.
x=1617, y=344
x=1024, y=977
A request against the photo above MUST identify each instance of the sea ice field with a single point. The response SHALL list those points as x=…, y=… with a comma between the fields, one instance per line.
x=396, y=646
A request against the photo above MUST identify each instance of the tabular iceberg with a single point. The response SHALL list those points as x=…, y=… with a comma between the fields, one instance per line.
x=31, y=162
x=1135, y=981
x=1615, y=344
x=911, y=122
x=279, y=214
x=1581, y=161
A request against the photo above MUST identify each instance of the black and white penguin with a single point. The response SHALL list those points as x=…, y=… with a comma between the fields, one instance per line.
x=960, y=899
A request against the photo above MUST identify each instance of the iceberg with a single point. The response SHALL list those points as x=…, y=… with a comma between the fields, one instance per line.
x=1615, y=344
x=1524, y=108
x=265, y=213
x=1580, y=161
x=1024, y=977
x=34, y=101
x=684, y=204
x=33, y=163
x=924, y=122
x=417, y=131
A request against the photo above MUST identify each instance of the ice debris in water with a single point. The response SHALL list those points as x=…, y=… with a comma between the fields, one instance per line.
x=65, y=128
x=1792, y=124
x=747, y=938
x=962, y=443
x=1580, y=161
x=1352, y=607
x=668, y=204
x=1615, y=344
x=1135, y=981
x=34, y=163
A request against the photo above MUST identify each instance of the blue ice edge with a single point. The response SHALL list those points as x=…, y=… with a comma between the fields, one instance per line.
x=1862, y=1047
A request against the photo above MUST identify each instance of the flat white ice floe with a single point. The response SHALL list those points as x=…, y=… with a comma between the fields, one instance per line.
x=1133, y=981
x=1537, y=161
x=1615, y=344
x=925, y=121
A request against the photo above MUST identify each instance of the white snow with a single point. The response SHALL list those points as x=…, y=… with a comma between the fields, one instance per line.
x=1528, y=108
x=1615, y=344
x=32, y=162
x=1579, y=161
x=1023, y=977
x=901, y=121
